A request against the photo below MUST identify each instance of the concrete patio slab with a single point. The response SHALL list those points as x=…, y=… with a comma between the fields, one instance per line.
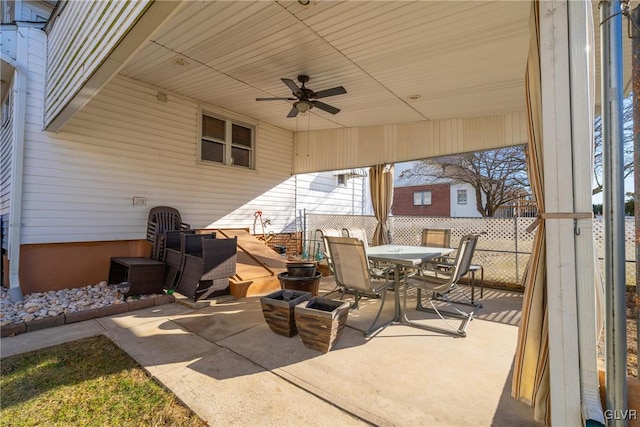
x=404, y=376
x=226, y=364
x=160, y=343
x=223, y=319
x=226, y=389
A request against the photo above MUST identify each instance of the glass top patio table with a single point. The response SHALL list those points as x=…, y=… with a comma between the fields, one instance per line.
x=404, y=256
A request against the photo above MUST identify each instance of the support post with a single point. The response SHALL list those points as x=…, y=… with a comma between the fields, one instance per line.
x=613, y=209
x=635, y=45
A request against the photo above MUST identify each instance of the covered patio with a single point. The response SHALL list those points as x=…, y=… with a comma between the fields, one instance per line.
x=224, y=362
x=126, y=118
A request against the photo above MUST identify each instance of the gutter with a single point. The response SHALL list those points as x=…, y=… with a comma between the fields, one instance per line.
x=17, y=162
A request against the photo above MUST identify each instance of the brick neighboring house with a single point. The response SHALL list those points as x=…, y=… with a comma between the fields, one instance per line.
x=422, y=200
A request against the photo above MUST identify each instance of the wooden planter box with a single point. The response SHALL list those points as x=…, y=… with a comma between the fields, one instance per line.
x=320, y=322
x=278, y=310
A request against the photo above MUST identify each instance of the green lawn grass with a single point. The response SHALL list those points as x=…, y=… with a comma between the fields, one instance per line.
x=90, y=382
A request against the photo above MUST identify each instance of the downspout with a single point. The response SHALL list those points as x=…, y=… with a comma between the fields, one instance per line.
x=582, y=75
x=17, y=160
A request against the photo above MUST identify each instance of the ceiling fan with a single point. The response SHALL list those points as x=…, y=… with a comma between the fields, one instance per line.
x=306, y=98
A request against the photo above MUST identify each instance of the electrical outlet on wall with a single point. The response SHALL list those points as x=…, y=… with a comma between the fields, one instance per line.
x=140, y=201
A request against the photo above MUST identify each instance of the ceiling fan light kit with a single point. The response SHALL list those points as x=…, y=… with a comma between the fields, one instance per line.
x=302, y=106
x=306, y=98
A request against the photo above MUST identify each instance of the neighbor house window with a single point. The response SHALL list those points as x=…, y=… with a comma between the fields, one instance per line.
x=462, y=197
x=341, y=180
x=226, y=141
x=421, y=198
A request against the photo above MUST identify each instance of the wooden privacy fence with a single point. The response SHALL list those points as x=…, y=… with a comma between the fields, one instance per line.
x=503, y=251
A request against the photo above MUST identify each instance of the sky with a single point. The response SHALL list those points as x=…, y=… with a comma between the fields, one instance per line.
x=628, y=188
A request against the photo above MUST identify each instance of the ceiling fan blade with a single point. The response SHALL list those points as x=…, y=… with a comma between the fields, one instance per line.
x=293, y=86
x=330, y=92
x=326, y=107
x=293, y=112
x=276, y=99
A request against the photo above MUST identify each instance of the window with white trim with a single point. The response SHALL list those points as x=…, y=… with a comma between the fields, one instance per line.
x=462, y=197
x=421, y=198
x=227, y=141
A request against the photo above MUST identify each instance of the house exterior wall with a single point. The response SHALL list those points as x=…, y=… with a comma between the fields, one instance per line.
x=79, y=42
x=464, y=210
x=79, y=184
x=320, y=193
x=6, y=166
x=440, y=201
x=35, y=11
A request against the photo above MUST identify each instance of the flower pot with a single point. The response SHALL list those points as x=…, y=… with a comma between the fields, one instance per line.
x=301, y=269
x=320, y=322
x=278, y=310
x=300, y=283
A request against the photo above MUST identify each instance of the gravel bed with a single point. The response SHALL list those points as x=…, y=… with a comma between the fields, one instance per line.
x=53, y=303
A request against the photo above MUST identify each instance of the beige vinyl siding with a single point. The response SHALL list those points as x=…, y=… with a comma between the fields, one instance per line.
x=365, y=146
x=79, y=183
x=79, y=42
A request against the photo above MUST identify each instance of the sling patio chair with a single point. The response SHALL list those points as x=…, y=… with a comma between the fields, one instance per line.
x=352, y=271
x=446, y=263
x=161, y=219
x=358, y=233
x=328, y=232
x=206, y=269
x=377, y=269
x=441, y=284
x=436, y=237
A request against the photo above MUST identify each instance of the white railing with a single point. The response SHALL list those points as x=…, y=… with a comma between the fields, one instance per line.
x=503, y=251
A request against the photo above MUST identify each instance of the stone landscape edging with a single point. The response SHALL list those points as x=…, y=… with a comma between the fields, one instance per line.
x=79, y=316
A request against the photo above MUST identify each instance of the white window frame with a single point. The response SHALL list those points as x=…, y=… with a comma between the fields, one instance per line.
x=423, y=199
x=462, y=196
x=341, y=180
x=230, y=120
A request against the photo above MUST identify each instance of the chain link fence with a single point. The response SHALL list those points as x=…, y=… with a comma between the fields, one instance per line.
x=503, y=251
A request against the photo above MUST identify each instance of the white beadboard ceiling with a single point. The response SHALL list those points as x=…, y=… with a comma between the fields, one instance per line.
x=461, y=58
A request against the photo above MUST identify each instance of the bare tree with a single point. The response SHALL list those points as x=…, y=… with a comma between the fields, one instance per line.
x=627, y=127
x=497, y=176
